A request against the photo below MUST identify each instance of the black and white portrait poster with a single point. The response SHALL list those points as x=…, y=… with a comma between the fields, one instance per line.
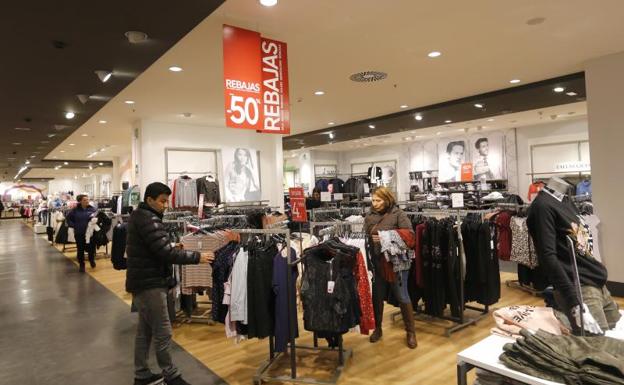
x=241, y=174
x=488, y=156
x=451, y=155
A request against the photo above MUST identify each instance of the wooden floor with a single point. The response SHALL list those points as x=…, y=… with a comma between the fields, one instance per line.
x=386, y=362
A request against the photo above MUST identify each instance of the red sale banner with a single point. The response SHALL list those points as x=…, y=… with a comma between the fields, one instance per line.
x=255, y=76
x=466, y=172
x=297, y=204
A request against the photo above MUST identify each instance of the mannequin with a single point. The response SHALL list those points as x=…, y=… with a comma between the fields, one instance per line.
x=552, y=219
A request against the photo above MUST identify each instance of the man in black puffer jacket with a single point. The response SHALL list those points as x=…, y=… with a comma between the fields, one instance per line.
x=149, y=277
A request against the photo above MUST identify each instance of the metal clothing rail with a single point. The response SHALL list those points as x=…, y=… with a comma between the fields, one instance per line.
x=462, y=321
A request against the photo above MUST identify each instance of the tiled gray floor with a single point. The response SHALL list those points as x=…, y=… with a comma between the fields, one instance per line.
x=58, y=326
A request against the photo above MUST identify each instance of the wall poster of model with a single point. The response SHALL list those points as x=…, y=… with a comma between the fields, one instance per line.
x=488, y=156
x=451, y=155
x=241, y=174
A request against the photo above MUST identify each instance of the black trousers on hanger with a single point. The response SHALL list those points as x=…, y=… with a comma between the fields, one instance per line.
x=82, y=246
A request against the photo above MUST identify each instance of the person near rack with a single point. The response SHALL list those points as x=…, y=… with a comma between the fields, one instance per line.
x=314, y=202
x=79, y=218
x=386, y=215
x=149, y=277
x=552, y=219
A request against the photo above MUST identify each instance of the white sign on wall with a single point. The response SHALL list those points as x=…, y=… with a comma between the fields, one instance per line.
x=573, y=166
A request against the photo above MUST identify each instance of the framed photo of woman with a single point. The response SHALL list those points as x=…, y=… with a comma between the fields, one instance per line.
x=241, y=174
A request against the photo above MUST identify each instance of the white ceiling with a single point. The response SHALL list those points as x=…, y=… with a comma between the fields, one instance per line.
x=66, y=172
x=520, y=119
x=484, y=44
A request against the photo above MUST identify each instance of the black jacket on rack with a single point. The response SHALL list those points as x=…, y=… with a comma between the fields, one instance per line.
x=118, y=249
x=335, y=312
x=150, y=254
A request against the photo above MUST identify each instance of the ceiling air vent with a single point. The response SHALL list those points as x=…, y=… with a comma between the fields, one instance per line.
x=368, y=76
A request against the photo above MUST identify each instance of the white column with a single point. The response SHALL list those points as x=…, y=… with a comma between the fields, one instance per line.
x=605, y=107
x=116, y=176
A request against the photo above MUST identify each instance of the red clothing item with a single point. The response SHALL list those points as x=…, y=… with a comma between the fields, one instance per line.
x=367, y=319
x=173, y=194
x=534, y=189
x=503, y=227
x=418, y=262
x=387, y=270
x=408, y=237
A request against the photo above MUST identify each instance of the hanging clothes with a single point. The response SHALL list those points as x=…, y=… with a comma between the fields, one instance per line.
x=280, y=289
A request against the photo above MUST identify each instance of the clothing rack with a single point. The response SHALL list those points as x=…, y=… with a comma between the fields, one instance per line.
x=324, y=211
x=462, y=321
x=262, y=372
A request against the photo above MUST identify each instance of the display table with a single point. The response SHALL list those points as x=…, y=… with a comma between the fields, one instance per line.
x=484, y=355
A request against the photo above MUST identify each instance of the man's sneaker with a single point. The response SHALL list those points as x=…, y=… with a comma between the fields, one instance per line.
x=155, y=379
x=177, y=381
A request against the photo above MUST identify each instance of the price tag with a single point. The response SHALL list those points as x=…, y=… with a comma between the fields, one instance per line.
x=338, y=197
x=200, y=210
x=330, y=286
x=326, y=196
x=457, y=200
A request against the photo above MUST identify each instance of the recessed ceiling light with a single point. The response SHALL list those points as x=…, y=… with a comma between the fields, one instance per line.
x=84, y=135
x=404, y=105
x=104, y=75
x=434, y=54
x=331, y=123
x=27, y=162
x=371, y=126
x=571, y=93
x=332, y=135
x=175, y=69
x=129, y=102
x=101, y=164
x=69, y=115
x=558, y=89
x=16, y=143
x=514, y=81
x=72, y=144
x=90, y=167
x=418, y=117
x=65, y=163
x=490, y=120
x=448, y=121
x=135, y=37
x=478, y=105
x=22, y=128
x=268, y=3
x=102, y=121
x=319, y=93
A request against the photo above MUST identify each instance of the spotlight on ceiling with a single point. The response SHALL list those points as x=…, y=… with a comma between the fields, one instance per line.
x=418, y=117
x=404, y=106
x=571, y=93
x=129, y=101
x=319, y=93
x=135, y=37
x=434, y=54
x=558, y=89
x=478, y=105
x=268, y=3
x=448, y=121
x=101, y=164
x=175, y=69
x=69, y=115
x=371, y=126
x=514, y=81
x=104, y=75
x=83, y=98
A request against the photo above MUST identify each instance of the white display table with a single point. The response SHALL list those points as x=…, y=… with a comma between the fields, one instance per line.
x=484, y=355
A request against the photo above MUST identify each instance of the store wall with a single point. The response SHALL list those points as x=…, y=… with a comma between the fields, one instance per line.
x=568, y=130
x=154, y=137
x=605, y=83
x=64, y=185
